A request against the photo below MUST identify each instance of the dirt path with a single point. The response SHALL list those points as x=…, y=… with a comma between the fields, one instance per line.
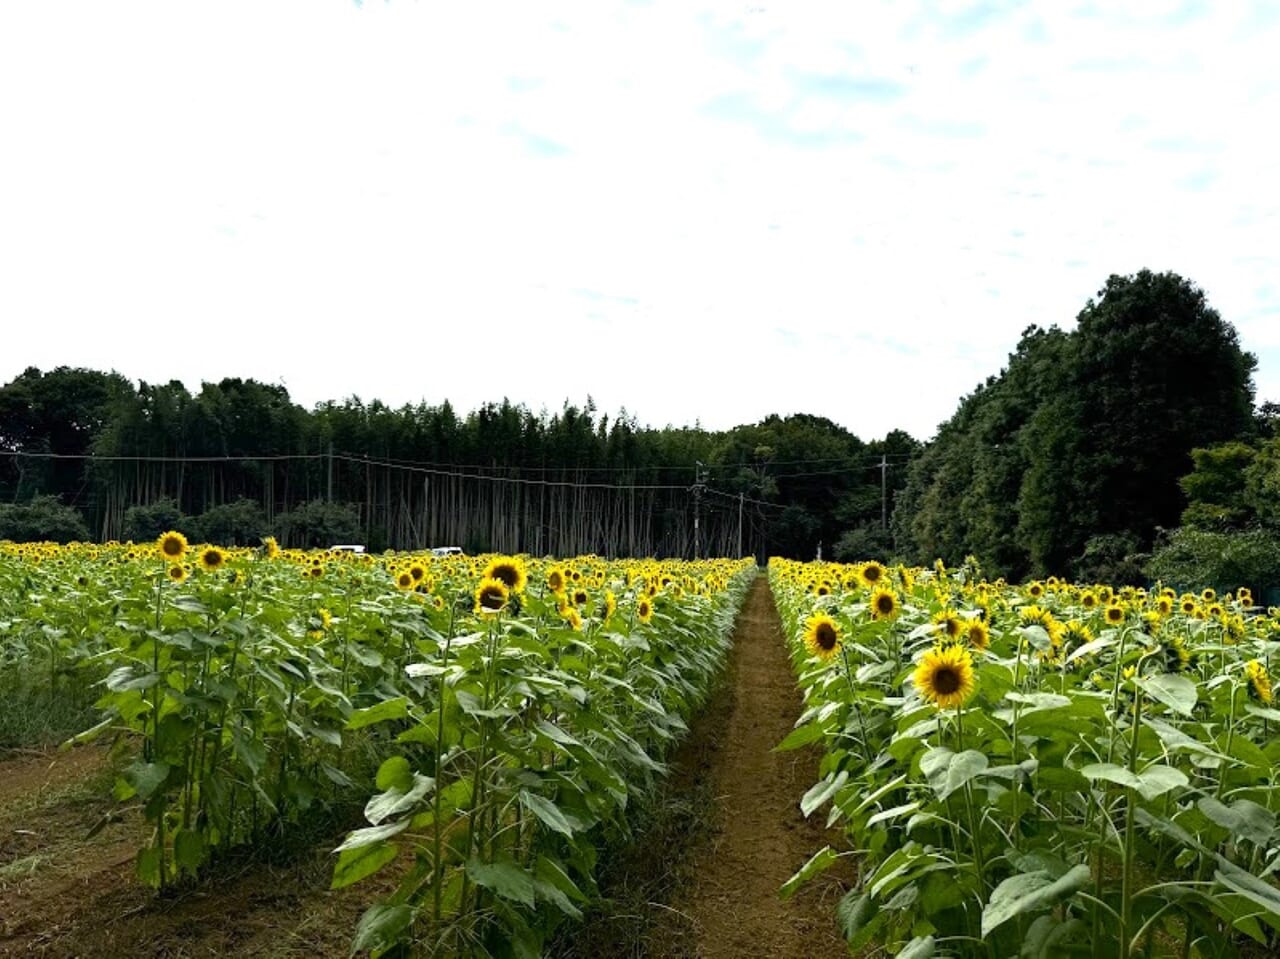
x=760, y=837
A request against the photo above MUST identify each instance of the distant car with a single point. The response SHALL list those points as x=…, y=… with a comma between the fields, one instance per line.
x=346, y=548
x=446, y=551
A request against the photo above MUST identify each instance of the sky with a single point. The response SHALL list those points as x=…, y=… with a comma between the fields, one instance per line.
x=696, y=212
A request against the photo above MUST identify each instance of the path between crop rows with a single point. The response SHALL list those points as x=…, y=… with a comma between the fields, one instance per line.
x=760, y=838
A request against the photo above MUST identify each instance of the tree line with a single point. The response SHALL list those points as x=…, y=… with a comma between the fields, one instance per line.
x=89, y=455
x=1092, y=454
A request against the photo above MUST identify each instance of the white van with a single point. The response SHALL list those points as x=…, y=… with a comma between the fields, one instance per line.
x=446, y=551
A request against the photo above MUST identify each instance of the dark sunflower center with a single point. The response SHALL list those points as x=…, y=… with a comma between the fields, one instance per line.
x=507, y=574
x=491, y=599
x=946, y=681
x=884, y=604
x=871, y=574
x=825, y=636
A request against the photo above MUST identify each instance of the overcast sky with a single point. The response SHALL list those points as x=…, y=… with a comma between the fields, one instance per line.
x=694, y=211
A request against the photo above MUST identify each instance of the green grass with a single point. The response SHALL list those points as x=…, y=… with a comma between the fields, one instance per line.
x=34, y=716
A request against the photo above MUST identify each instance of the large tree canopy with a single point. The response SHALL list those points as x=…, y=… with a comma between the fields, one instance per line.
x=1075, y=450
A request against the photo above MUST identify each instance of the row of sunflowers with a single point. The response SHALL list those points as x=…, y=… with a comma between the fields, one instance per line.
x=1041, y=770
x=497, y=712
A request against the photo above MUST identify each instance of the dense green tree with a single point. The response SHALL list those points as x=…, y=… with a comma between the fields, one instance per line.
x=42, y=519
x=238, y=523
x=145, y=523
x=318, y=525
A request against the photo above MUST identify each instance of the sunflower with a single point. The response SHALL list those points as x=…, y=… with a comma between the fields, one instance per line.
x=872, y=574
x=316, y=571
x=1088, y=599
x=944, y=676
x=608, y=606
x=1188, y=605
x=572, y=616
x=177, y=572
x=212, y=559
x=1208, y=595
x=1177, y=658
x=644, y=609
x=948, y=622
x=1259, y=681
x=404, y=580
x=510, y=571
x=418, y=572
x=325, y=617
x=271, y=546
x=580, y=597
x=491, y=596
x=822, y=636
x=1035, y=590
x=1164, y=605
x=1114, y=614
x=883, y=603
x=978, y=634
x=555, y=579
x=1076, y=633
x=172, y=545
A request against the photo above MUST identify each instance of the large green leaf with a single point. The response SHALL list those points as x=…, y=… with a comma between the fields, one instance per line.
x=382, y=712
x=921, y=947
x=820, y=792
x=361, y=862
x=1177, y=692
x=548, y=813
x=819, y=862
x=381, y=927
x=1027, y=892
x=503, y=877
x=948, y=771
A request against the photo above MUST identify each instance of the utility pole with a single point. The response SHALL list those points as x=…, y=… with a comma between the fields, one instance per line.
x=330, y=497
x=741, y=499
x=697, y=509
x=884, y=491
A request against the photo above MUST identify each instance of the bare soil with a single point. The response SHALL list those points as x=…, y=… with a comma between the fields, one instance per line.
x=761, y=838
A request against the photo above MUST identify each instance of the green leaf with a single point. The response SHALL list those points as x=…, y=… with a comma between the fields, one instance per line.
x=948, y=771
x=361, y=862
x=148, y=866
x=801, y=736
x=188, y=849
x=818, y=863
x=820, y=792
x=1111, y=773
x=395, y=773
x=1156, y=780
x=1258, y=891
x=503, y=877
x=395, y=800
x=1175, y=691
x=1025, y=892
x=364, y=837
x=146, y=778
x=548, y=813
x=893, y=813
x=921, y=947
x=382, y=712
x=1243, y=819
x=555, y=733
x=381, y=927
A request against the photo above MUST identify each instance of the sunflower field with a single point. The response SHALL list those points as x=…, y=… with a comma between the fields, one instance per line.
x=1042, y=770
x=494, y=715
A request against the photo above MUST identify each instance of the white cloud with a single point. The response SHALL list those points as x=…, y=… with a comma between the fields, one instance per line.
x=416, y=200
